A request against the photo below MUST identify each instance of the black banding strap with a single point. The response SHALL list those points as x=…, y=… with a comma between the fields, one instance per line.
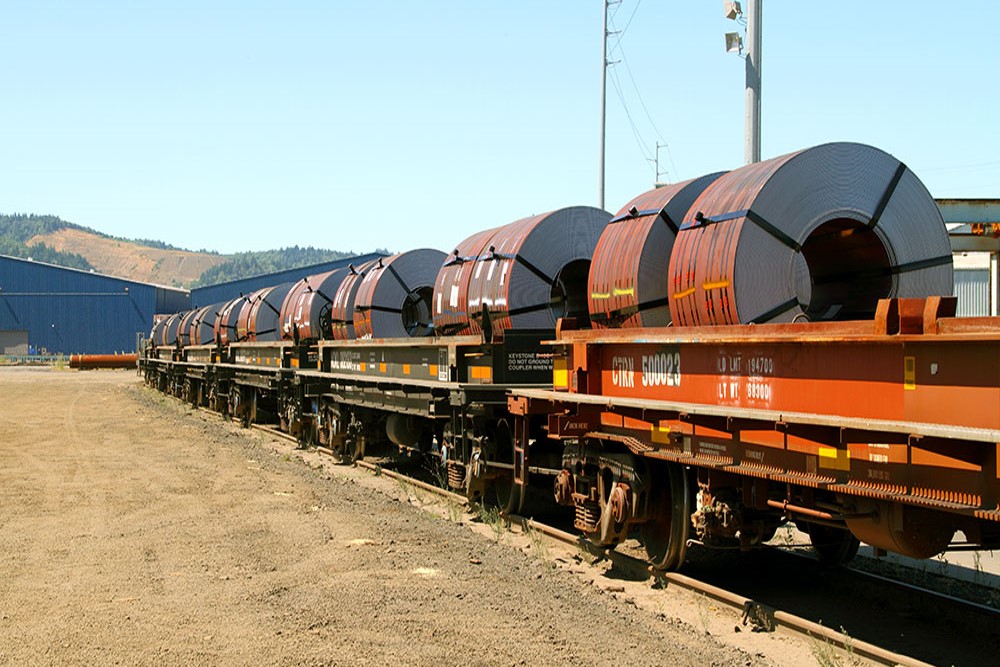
x=752, y=216
x=627, y=215
x=381, y=309
x=275, y=310
x=448, y=329
x=780, y=309
x=325, y=297
x=399, y=278
x=887, y=195
x=265, y=331
x=784, y=238
x=670, y=223
x=515, y=312
x=629, y=311
x=884, y=271
x=525, y=263
x=922, y=264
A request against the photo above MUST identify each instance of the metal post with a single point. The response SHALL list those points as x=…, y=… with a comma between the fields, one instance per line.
x=994, y=284
x=604, y=85
x=751, y=148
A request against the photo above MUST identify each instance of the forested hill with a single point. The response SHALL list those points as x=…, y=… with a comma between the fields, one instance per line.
x=245, y=264
x=47, y=238
x=17, y=229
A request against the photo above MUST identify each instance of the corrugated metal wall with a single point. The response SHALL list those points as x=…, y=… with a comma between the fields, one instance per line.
x=204, y=296
x=68, y=311
x=972, y=287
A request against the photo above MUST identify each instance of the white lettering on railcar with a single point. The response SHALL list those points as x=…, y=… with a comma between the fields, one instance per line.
x=661, y=369
x=622, y=369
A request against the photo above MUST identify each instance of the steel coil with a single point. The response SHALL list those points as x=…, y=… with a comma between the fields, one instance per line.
x=184, y=328
x=170, y=328
x=305, y=314
x=820, y=234
x=259, y=318
x=342, y=308
x=203, y=325
x=451, y=289
x=225, y=322
x=394, y=297
x=628, y=277
x=530, y=273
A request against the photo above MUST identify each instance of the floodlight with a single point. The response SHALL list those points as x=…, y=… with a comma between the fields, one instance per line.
x=734, y=43
x=731, y=9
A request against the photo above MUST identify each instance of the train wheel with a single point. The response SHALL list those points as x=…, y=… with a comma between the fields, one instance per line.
x=665, y=534
x=833, y=546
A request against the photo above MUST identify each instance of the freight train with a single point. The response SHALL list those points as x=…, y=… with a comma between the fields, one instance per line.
x=769, y=345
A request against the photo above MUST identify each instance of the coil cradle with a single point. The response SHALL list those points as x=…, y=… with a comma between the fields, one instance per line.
x=823, y=234
x=628, y=276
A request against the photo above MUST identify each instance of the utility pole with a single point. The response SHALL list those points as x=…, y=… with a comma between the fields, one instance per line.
x=751, y=146
x=604, y=86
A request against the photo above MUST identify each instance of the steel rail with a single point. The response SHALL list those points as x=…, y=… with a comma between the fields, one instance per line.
x=788, y=621
x=744, y=605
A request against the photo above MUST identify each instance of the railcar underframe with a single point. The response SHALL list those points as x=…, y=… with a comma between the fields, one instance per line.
x=886, y=432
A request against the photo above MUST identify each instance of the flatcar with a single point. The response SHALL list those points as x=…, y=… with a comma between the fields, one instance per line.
x=723, y=356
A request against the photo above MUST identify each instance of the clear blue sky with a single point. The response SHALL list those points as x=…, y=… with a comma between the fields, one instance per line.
x=354, y=125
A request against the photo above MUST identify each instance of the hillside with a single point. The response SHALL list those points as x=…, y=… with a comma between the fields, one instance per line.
x=130, y=260
x=47, y=238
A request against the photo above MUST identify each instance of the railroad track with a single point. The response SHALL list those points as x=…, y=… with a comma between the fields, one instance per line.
x=762, y=617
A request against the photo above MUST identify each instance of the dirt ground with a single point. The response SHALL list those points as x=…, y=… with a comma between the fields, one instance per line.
x=135, y=531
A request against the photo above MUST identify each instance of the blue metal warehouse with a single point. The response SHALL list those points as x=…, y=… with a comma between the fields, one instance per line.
x=58, y=310
x=205, y=296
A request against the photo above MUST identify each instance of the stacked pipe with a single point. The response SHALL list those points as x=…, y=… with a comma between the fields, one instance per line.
x=526, y=275
x=87, y=362
x=820, y=234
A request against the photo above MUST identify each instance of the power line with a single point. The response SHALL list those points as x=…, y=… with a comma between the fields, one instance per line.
x=640, y=142
x=635, y=86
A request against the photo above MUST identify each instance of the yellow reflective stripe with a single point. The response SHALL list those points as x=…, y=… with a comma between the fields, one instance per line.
x=831, y=457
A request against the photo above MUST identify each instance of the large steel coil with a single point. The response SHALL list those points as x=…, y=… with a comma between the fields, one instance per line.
x=394, y=297
x=823, y=233
x=156, y=333
x=170, y=328
x=628, y=277
x=305, y=315
x=342, y=308
x=203, y=325
x=530, y=273
x=451, y=289
x=184, y=327
x=259, y=318
x=225, y=323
